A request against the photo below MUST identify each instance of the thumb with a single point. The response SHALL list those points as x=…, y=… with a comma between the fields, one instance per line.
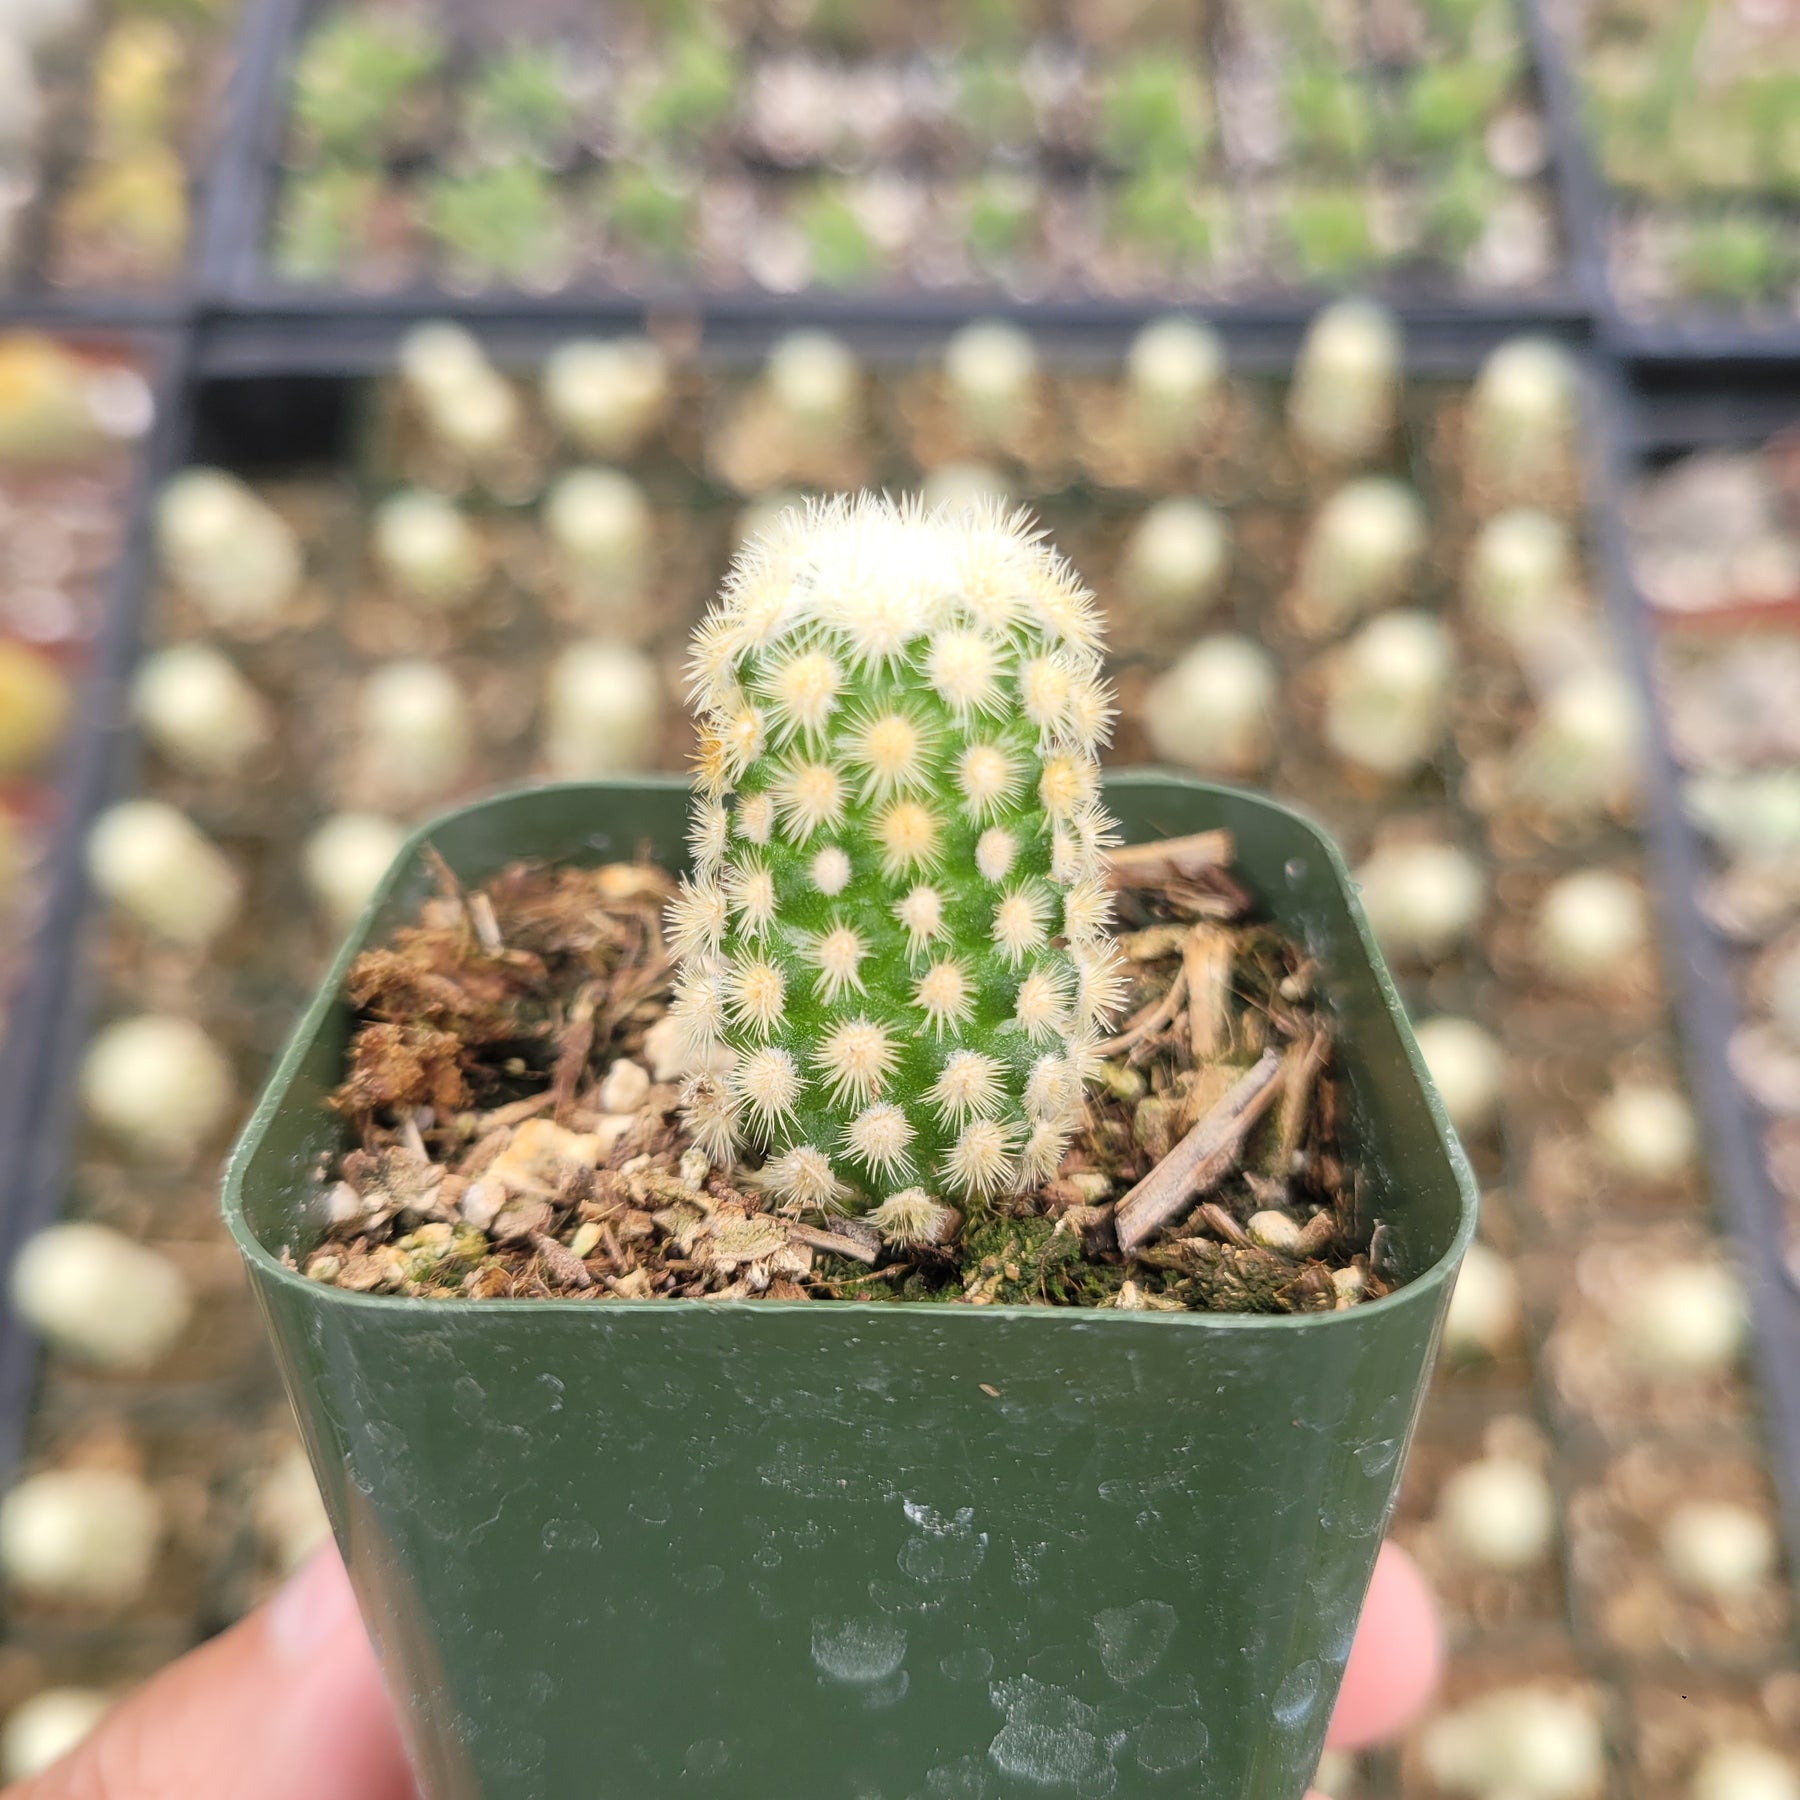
x=286, y=1706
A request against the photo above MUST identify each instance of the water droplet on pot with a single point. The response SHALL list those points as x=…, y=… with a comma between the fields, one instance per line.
x=967, y=1665
x=1297, y=1695
x=1372, y=1458
x=706, y=1756
x=1050, y=1755
x=1132, y=1639
x=1168, y=1741
x=858, y=1649
x=569, y=1534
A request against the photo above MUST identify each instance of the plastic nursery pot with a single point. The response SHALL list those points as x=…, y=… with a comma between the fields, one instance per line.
x=848, y=1551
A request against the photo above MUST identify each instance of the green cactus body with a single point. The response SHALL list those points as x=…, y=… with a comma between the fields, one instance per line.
x=898, y=920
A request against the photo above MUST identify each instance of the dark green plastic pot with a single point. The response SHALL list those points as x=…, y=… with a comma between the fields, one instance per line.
x=841, y=1552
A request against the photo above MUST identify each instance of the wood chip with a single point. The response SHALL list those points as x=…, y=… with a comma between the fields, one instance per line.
x=1182, y=858
x=1207, y=957
x=1148, y=1020
x=1304, y=1061
x=833, y=1245
x=562, y=1262
x=487, y=927
x=1201, y=1158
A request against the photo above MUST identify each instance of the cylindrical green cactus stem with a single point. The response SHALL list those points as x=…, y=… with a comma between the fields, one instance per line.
x=898, y=920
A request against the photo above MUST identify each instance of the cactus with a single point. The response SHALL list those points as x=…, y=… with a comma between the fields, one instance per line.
x=897, y=924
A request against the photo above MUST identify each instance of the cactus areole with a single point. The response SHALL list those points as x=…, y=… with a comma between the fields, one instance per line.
x=894, y=947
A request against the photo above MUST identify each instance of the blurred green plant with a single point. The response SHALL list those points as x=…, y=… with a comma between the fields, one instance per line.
x=648, y=210
x=999, y=216
x=1733, y=256
x=503, y=223
x=522, y=103
x=325, y=223
x=991, y=102
x=1158, y=212
x=1330, y=116
x=1458, y=205
x=692, y=93
x=1155, y=113
x=354, y=77
x=1328, y=233
x=1446, y=105
x=838, y=245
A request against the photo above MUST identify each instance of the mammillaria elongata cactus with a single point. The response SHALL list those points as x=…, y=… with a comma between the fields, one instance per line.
x=898, y=919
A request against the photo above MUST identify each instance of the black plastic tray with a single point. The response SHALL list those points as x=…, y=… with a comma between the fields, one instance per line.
x=32, y=300
x=1694, y=335
x=1652, y=424
x=235, y=276
x=46, y=1021
x=246, y=378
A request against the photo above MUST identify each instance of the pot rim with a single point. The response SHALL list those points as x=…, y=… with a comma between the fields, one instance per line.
x=269, y=1267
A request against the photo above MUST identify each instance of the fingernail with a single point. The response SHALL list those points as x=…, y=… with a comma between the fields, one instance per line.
x=311, y=1607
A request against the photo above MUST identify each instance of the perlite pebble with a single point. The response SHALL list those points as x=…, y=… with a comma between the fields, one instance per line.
x=80, y=1537
x=990, y=373
x=1175, y=372
x=98, y=1296
x=1214, y=710
x=1744, y=1771
x=1361, y=551
x=158, y=1084
x=427, y=549
x=343, y=860
x=41, y=1731
x=227, y=550
x=603, y=711
x=1716, y=1550
x=1589, y=926
x=1422, y=900
x=1345, y=394
x=415, y=730
x=1485, y=1307
x=1387, y=694
x=625, y=1087
x=1468, y=1069
x=1683, y=1319
x=1273, y=1230
x=199, y=711
x=1498, y=1514
x=153, y=862
x=1177, y=559
x=1517, y=1744
x=1646, y=1131
x=607, y=396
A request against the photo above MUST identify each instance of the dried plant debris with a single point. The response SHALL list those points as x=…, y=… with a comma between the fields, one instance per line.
x=515, y=1089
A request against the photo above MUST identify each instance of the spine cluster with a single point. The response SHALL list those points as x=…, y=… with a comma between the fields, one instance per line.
x=898, y=919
